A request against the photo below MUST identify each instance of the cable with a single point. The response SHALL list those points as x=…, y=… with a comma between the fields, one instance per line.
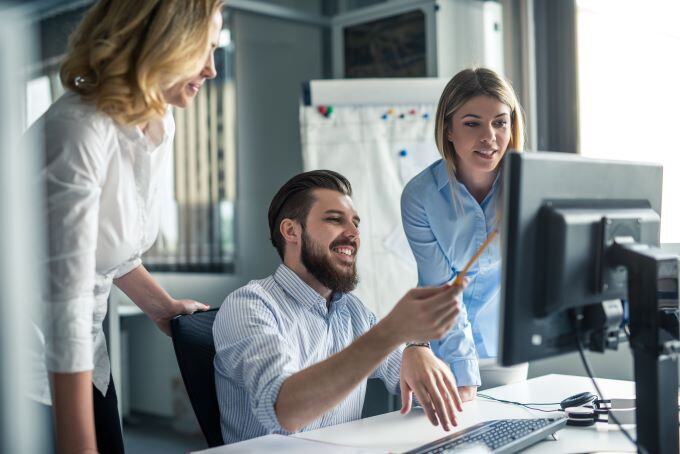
x=586, y=364
x=529, y=406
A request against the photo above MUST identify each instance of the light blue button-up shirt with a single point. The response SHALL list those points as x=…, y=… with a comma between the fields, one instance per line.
x=272, y=328
x=444, y=234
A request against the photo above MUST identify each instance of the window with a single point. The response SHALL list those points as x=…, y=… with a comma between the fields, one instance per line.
x=197, y=210
x=628, y=72
x=38, y=98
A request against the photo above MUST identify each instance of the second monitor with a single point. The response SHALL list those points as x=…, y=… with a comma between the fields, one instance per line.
x=579, y=237
x=552, y=239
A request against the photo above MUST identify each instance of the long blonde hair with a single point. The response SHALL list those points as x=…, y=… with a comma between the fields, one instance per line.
x=464, y=86
x=124, y=53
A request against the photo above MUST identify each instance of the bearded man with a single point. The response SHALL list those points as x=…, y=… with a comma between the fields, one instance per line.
x=294, y=350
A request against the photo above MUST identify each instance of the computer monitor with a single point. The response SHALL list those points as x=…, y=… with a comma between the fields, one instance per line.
x=579, y=236
x=553, y=207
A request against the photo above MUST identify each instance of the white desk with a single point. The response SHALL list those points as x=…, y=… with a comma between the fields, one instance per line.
x=393, y=432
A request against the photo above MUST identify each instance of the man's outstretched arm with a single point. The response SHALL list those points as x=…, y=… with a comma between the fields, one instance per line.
x=422, y=314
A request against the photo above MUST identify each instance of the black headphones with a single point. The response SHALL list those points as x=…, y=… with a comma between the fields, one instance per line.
x=585, y=409
x=578, y=400
x=585, y=416
x=578, y=415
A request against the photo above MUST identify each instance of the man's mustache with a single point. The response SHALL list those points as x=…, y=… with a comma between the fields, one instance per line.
x=344, y=242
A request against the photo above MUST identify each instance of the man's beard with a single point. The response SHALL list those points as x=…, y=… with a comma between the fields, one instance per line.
x=319, y=264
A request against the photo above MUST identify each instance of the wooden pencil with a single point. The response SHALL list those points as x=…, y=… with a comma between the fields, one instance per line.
x=459, y=278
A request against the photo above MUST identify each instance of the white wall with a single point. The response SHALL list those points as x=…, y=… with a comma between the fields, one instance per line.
x=273, y=58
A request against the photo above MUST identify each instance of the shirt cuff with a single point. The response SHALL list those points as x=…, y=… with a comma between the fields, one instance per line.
x=466, y=372
x=69, y=355
x=68, y=335
x=266, y=412
x=126, y=267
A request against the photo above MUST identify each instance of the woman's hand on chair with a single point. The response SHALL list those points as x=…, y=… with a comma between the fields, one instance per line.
x=178, y=307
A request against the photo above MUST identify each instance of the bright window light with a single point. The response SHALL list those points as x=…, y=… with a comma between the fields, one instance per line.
x=628, y=82
x=38, y=98
x=225, y=38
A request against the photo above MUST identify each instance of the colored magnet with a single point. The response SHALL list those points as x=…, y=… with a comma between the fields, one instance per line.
x=326, y=111
x=426, y=115
x=403, y=153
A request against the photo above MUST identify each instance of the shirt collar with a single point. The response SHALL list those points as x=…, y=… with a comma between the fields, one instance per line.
x=159, y=132
x=494, y=189
x=441, y=176
x=299, y=290
x=494, y=186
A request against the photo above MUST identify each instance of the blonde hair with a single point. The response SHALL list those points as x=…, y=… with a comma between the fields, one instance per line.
x=464, y=86
x=124, y=53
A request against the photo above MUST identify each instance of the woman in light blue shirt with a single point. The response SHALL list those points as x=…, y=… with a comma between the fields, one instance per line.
x=450, y=208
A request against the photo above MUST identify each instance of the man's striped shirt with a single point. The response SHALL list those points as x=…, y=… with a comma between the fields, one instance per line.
x=272, y=328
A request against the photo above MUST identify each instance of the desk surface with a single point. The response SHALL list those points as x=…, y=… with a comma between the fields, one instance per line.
x=393, y=432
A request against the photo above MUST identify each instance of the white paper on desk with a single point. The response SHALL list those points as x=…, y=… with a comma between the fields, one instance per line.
x=283, y=443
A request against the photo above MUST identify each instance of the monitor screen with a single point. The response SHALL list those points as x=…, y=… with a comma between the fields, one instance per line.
x=559, y=213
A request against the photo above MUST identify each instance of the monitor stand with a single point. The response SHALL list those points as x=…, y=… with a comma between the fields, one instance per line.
x=654, y=340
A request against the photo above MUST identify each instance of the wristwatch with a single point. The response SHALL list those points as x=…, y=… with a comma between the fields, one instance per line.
x=417, y=344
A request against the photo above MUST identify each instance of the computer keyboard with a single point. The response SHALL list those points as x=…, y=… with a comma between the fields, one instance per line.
x=500, y=436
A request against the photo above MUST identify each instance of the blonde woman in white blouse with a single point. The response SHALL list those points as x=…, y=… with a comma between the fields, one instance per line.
x=105, y=140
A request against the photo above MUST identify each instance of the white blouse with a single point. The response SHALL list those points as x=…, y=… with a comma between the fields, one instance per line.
x=101, y=181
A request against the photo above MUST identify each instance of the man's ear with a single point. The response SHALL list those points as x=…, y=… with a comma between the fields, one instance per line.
x=291, y=231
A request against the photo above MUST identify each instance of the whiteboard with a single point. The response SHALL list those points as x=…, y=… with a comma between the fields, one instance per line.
x=379, y=148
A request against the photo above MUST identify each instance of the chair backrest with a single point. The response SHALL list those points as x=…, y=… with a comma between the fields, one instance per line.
x=195, y=351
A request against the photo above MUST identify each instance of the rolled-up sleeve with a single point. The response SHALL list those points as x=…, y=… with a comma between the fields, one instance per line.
x=252, y=350
x=128, y=266
x=72, y=177
x=457, y=347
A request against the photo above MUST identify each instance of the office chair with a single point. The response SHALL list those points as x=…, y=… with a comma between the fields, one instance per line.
x=195, y=351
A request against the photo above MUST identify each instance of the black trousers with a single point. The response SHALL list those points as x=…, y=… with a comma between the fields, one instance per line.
x=106, y=422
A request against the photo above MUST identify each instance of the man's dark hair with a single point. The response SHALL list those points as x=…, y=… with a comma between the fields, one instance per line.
x=295, y=199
